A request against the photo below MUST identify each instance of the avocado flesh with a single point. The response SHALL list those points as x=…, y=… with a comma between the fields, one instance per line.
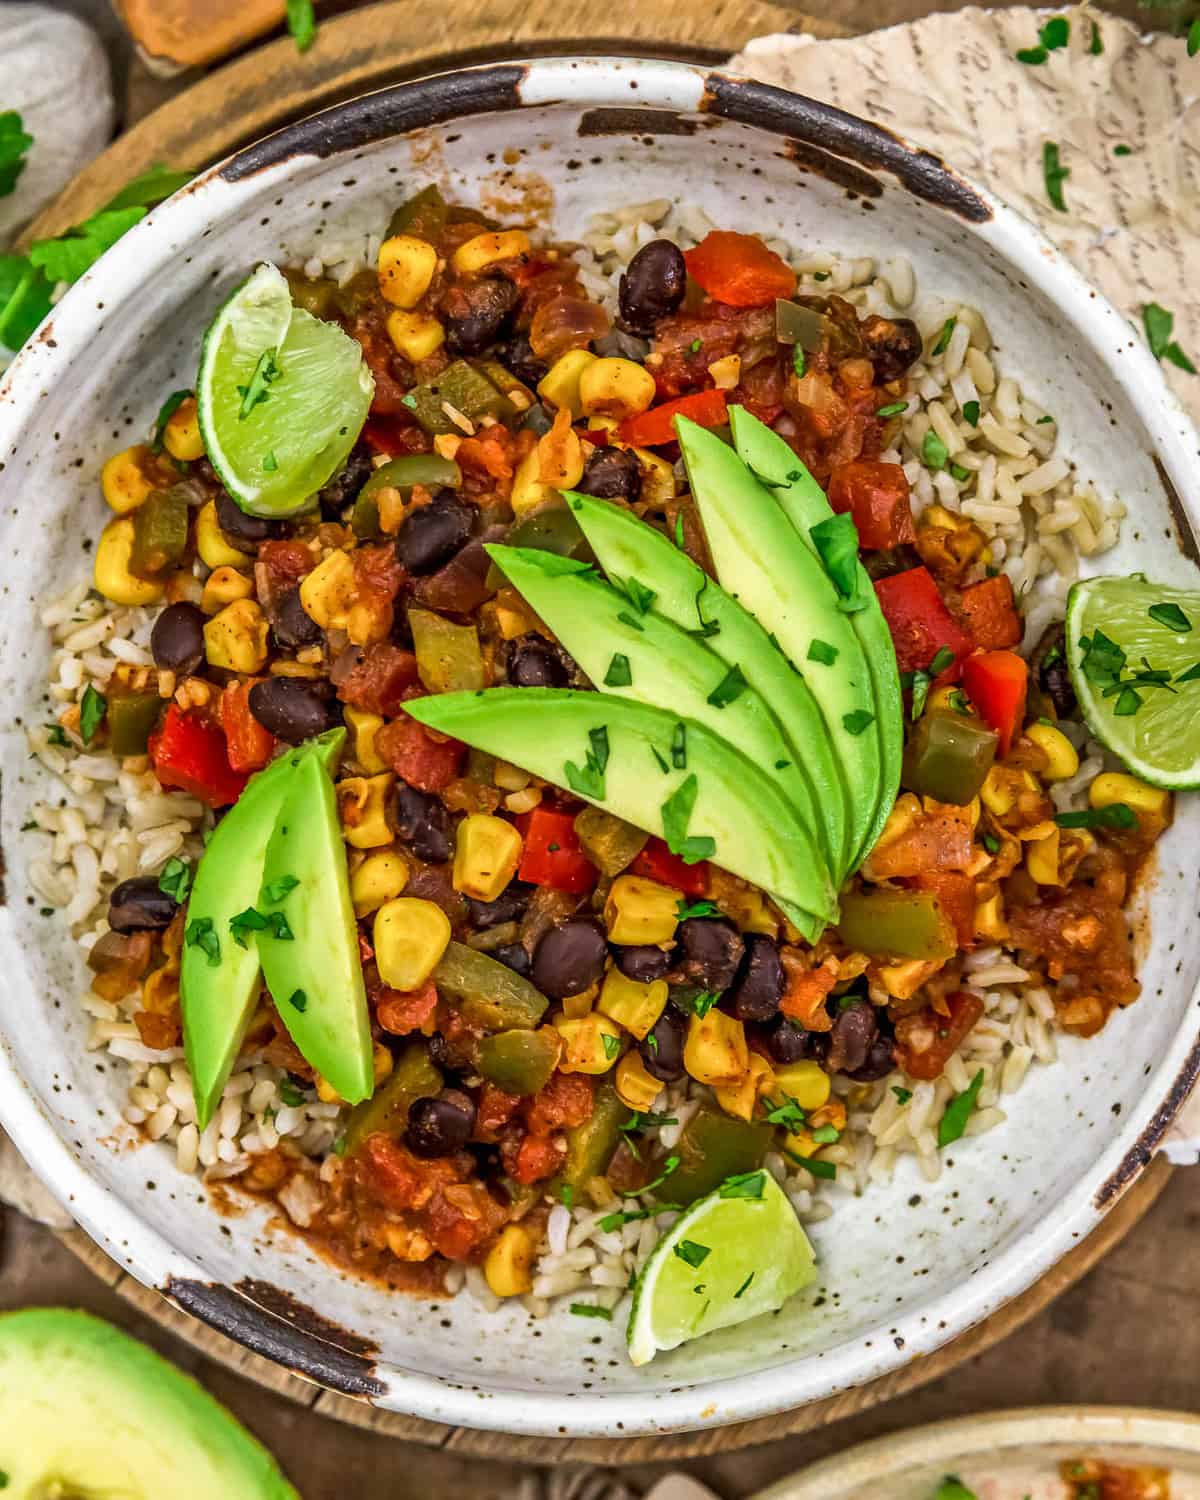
x=757, y=833
x=217, y=1000
x=320, y=962
x=88, y=1411
x=684, y=593
x=805, y=504
x=762, y=562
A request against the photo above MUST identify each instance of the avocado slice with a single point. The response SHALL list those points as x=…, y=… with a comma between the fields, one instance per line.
x=218, y=999
x=87, y=1410
x=312, y=967
x=804, y=502
x=762, y=562
x=685, y=594
x=659, y=772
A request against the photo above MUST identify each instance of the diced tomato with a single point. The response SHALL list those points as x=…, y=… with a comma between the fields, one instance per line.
x=920, y=623
x=956, y=896
x=402, y=1011
x=650, y=429
x=927, y=1040
x=536, y=1158
x=378, y=679
x=157, y=1032
x=189, y=754
x=286, y=562
x=876, y=496
x=656, y=862
x=739, y=269
x=248, y=745
x=494, y=1110
x=936, y=841
x=996, y=683
x=567, y=1100
x=416, y=757
x=461, y=1218
x=989, y=612
x=394, y=438
x=552, y=855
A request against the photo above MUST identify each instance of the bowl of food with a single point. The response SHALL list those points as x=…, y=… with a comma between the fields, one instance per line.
x=564, y=871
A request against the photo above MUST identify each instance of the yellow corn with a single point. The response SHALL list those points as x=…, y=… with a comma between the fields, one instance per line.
x=800, y=1143
x=362, y=807
x=111, y=567
x=560, y=384
x=636, y=1087
x=1119, y=786
x=903, y=980
x=1041, y=858
x=806, y=1082
x=214, y=547
x=181, y=435
x=486, y=855
x=615, y=388
x=658, y=477
x=363, y=729
x=236, y=639
x=726, y=372
x=123, y=481
x=328, y=592
x=591, y=1044
x=528, y=491
x=414, y=335
x=1062, y=760
x=406, y=267
x=222, y=587
x=381, y=877
x=485, y=249
x=508, y=1268
x=575, y=1007
x=1002, y=786
x=715, y=1051
x=641, y=911
x=634, y=1006
x=989, y=918
x=739, y=1099
x=745, y=906
x=326, y=1092
x=410, y=937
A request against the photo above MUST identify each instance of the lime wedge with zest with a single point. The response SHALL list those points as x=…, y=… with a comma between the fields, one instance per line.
x=736, y=1254
x=1133, y=649
x=282, y=397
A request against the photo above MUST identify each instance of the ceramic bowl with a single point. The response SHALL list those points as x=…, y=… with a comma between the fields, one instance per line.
x=904, y=1268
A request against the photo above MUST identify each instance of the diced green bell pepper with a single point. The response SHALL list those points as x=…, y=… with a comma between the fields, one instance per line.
x=489, y=994
x=317, y=296
x=713, y=1146
x=131, y=721
x=463, y=387
x=553, y=528
x=590, y=1146
x=429, y=469
x=422, y=215
x=386, y=1112
x=610, y=843
x=160, y=531
x=897, y=925
x=449, y=658
x=948, y=756
x=520, y=1062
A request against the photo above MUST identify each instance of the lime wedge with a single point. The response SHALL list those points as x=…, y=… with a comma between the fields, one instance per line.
x=733, y=1255
x=1133, y=649
x=282, y=397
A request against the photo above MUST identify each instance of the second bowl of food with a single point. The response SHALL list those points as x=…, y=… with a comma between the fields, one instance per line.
x=563, y=869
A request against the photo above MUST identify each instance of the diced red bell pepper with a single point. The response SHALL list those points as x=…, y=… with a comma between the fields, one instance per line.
x=189, y=754
x=920, y=623
x=386, y=435
x=416, y=757
x=739, y=270
x=989, y=612
x=656, y=862
x=552, y=855
x=650, y=429
x=248, y=745
x=876, y=496
x=956, y=896
x=996, y=683
x=926, y=1041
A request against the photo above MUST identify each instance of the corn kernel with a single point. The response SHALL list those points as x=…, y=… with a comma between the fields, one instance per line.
x=999, y=791
x=181, y=435
x=362, y=807
x=800, y=1143
x=486, y=855
x=381, y=877
x=411, y=935
x=636, y=1087
x=726, y=372
x=658, y=477
x=326, y=1092
x=363, y=728
x=123, y=481
x=560, y=384
x=487, y=248
x=1041, y=858
x=989, y=919
x=329, y=591
x=528, y=491
x=1062, y=759
x=715, y=1051
x=806, y=1082
x=740, y=1099
x=615, y=388
x=641, y=911
x=1119, y=786
x=414, y=335
x=406, y=267
x=236, y=639
x=508, y=1268
x=221, y=587
x=591, y=1044
x=214, y=547
x=560, y=455
x=634, y=1006
x=111, y=568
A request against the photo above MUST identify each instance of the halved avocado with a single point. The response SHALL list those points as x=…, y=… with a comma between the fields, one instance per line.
x=87, y=1411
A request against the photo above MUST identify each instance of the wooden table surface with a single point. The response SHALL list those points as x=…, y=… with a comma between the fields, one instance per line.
x=1104, y=1341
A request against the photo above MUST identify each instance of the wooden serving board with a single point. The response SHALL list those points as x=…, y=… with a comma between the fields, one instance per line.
x=354, y=53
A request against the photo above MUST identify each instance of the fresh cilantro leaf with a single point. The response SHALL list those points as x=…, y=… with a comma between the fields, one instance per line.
x=958, y=1112
x=598, y=740
x=619, y=673
x=1055, y=33
x=943, y=338
x=934, y=452
x=730, y=687
x=892, y=409
x=703, y=1002
x=638, y=595
x=1122, y=150
x=747, y=1185
x=836, y=541
x=1174, y=355
x=1158, y=323
x=1032, y=55
x=679, y=747
x=1054, y=174
x=200, y=934
x=70, y=255
x=15, y=141
x=1096, y=45
x=903, y=1095
x=1191, y=675
x=165, y=412
x=1115, y=815
x=57, y=735
x=567, y=1194
x=265, y=371
x=958, y=472
x=1193, y=38
x=275, y=892
x=92, y=708
x=744, y=1286
x=788, y=1114
x=857, y=722
x=631, y=620
x=580, y=1309
x=270, y=462
x=676, y=814
x=823, y=1169
x=298, y=1000
x=302, y=23
x=589, y=782
x=691, y=1253
x=612, y=1045
x=290, y=1094
x=970, y=412
x=1170, y=616
x=822, y=652
x=685, y=910
x=1129, y=700
x=991, y=843
x=250, y=920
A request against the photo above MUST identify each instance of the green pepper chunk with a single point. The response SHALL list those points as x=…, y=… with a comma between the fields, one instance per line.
x=429, y=469
x=713, y=1146
x=488, y=993
x=131, y=722
x=463, y=387
x=160, y=531
x=386, y=1111
x=896, y=925
x=610, y=843
x=316, y=296
x=948, y=756
x=449, y=657
x=422, y=215
x=552, y=528
x=520, y=1062
x=590, y=1146
x=507, y=383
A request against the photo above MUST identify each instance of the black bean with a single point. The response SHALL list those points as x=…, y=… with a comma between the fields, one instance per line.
x=177, y=640
x=570, y=958
x=854, y=1029
x=652, y=286
x=139, y=906
x=760, y=982
x=246, y=531
x=432, y=534
x=291, y=623
x=336, y=493
x=661, y=1049
x=294, y=709
x=518, y=359
x=712, y=950
x=879, y=1061
x=439, y=1126
x=1049, y=663
x=885, y=562
x=514, y=956
x=533, y=661
x=476, y=313
x=509, y=906
x=891, y=344
x=613, y=474
x=423, y=821
x=789, y=1043
x=643, y=962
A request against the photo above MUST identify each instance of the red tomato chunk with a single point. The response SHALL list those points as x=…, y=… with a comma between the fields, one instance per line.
x=876, y=497
x=920, y=623
x=739, y=269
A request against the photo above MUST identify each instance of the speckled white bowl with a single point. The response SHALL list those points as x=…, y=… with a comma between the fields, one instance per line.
x=907, y=1266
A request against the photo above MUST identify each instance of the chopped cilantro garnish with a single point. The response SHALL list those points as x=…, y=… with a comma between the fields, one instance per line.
x=1115, y=815
x=991, y=843
x=15, y=141
x=684, y=909
x=970, y=412
x=959, y=473
x=57, y=735
x=694, y=347
x=1159, y=324
x=670, y=1165
x=265, y=371
x=1122, y=150
x=934, y=452
x=591, y=1310
x=619, y=673
x=612, y=1045
x=958, y=1112
x=589, y=782
x=799, y=364
x=857, y=722
x=661, y=759
x=1054, y=175
x=92, y=708
x=1032, y=55
x=892, y=409
x=746, y=1185
x=174, y=880
x=1193, y=38
x=823, y=1169
x=730, y=687
x=270, y=462
x=298, y=1000
x=302, y=23
x=1171, y=616
x=903, y=1095
x=676, y=814
x=836, y=541
x=290, y=1094
x=825, y=1135
x=788, y=1114
x=165, y=412
x=679, y=747
x=200, y=934
x=704, y=1002
x=631, y=620
x=278, y=889
x=1096, y=45
x=823, y=652
x=1191, y=675
x=744, y=1286
x=567, y=1194
x=691, y=1253
x=679, y=541
x=638, y=595
x=944, y=337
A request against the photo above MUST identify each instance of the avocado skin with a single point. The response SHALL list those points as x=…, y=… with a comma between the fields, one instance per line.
x=87, y=1406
